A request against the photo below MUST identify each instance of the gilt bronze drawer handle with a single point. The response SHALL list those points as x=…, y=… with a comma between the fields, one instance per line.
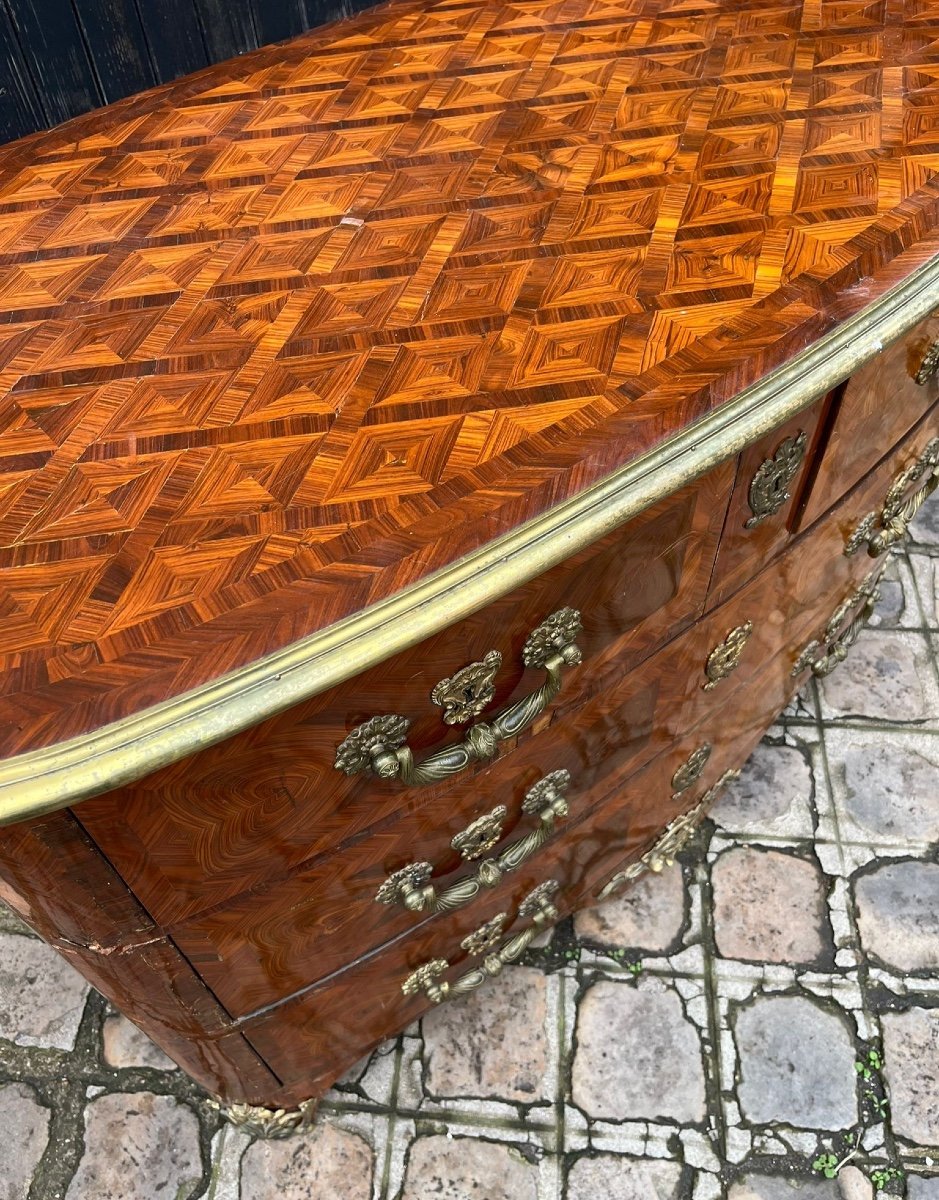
x=825, y=653
x=411, y=885
x=929, y=367
x=725, y=657
x=378, y=746
x=881, y=530
x=768, y=489
x=672, y=841
x=538, y=905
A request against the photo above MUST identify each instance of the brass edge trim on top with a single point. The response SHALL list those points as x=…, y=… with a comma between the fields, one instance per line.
x=41, y=781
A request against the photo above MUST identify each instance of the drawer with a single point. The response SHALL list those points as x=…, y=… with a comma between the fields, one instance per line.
x=309, y=1040
x=771, y=477
x=272, y=941
x=257, y=806
x=880, y=403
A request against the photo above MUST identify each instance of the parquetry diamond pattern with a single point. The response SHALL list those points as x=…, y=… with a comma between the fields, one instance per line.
x=271, y=339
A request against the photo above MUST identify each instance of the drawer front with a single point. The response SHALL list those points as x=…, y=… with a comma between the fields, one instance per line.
x=269, y=943
x=258, y=949
x=880, y=403
x=311, y=1039
x=771, y=478
x=257, y=806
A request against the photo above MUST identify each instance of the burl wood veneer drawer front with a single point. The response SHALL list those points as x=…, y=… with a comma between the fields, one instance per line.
x=880, y=403
x=312, y=1038
x=275, y=940
x=257, y=806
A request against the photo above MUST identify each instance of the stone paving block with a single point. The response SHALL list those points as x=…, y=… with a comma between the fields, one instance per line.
x=925, y=569
x=228, y=1147
x=911, y=1067
x=768, y=906
x=898, y=914
x=924, y=528
x=638, y=1056
x=10, y=922
x=648, y=916
x=886, y=676
x=41, y=997
x=853, y=1184
x=886, y=785
x=138, y=1146
x=25, y=1126
x=127, y=1046
x=442, y=1168
x=492, y=1042
x=802, y=706
x=796, y=1064
x=615, y=1177
x=897, y=607
x=922, y=1187
x=784, y=1187
x=322, y=1162
x=772, y=795
x=372, y=1077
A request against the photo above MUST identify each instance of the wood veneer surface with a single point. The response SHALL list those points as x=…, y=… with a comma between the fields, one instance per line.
x=310, y=1040
x=285, y=336
x=210, y=826
x=299, y=927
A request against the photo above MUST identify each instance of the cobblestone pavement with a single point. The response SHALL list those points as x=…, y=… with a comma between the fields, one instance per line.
x=760, y=1022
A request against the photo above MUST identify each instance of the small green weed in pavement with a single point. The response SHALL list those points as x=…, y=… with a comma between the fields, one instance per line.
x=827, y=1165
x=884, y=1175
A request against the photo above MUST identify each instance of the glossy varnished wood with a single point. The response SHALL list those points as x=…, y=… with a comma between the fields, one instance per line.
x=258, y=805
x=67, y=889
x=744, y=545
x=296, y=930
x=880, y=402
x=61, y=885
x=282, y=339
x=311, y=1039
x=285, y=336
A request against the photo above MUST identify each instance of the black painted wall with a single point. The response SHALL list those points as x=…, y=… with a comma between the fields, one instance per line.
x=59, y=58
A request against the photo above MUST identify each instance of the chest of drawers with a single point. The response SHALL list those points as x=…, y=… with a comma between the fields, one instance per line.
x=434, y=451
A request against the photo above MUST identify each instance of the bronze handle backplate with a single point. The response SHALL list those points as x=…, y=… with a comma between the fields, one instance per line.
x=929, y=366
x=724, y=659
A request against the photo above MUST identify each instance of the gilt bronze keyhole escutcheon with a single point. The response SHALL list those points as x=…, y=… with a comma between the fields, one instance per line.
x=467, y=692
x=769, y=487
x=690, y=770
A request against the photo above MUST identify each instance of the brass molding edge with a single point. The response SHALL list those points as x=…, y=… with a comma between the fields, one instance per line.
x=41, y=781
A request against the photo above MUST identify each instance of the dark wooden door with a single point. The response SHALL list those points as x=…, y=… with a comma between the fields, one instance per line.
x=59, y=58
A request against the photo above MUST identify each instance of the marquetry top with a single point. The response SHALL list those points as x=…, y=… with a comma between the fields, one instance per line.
x=286, y=336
